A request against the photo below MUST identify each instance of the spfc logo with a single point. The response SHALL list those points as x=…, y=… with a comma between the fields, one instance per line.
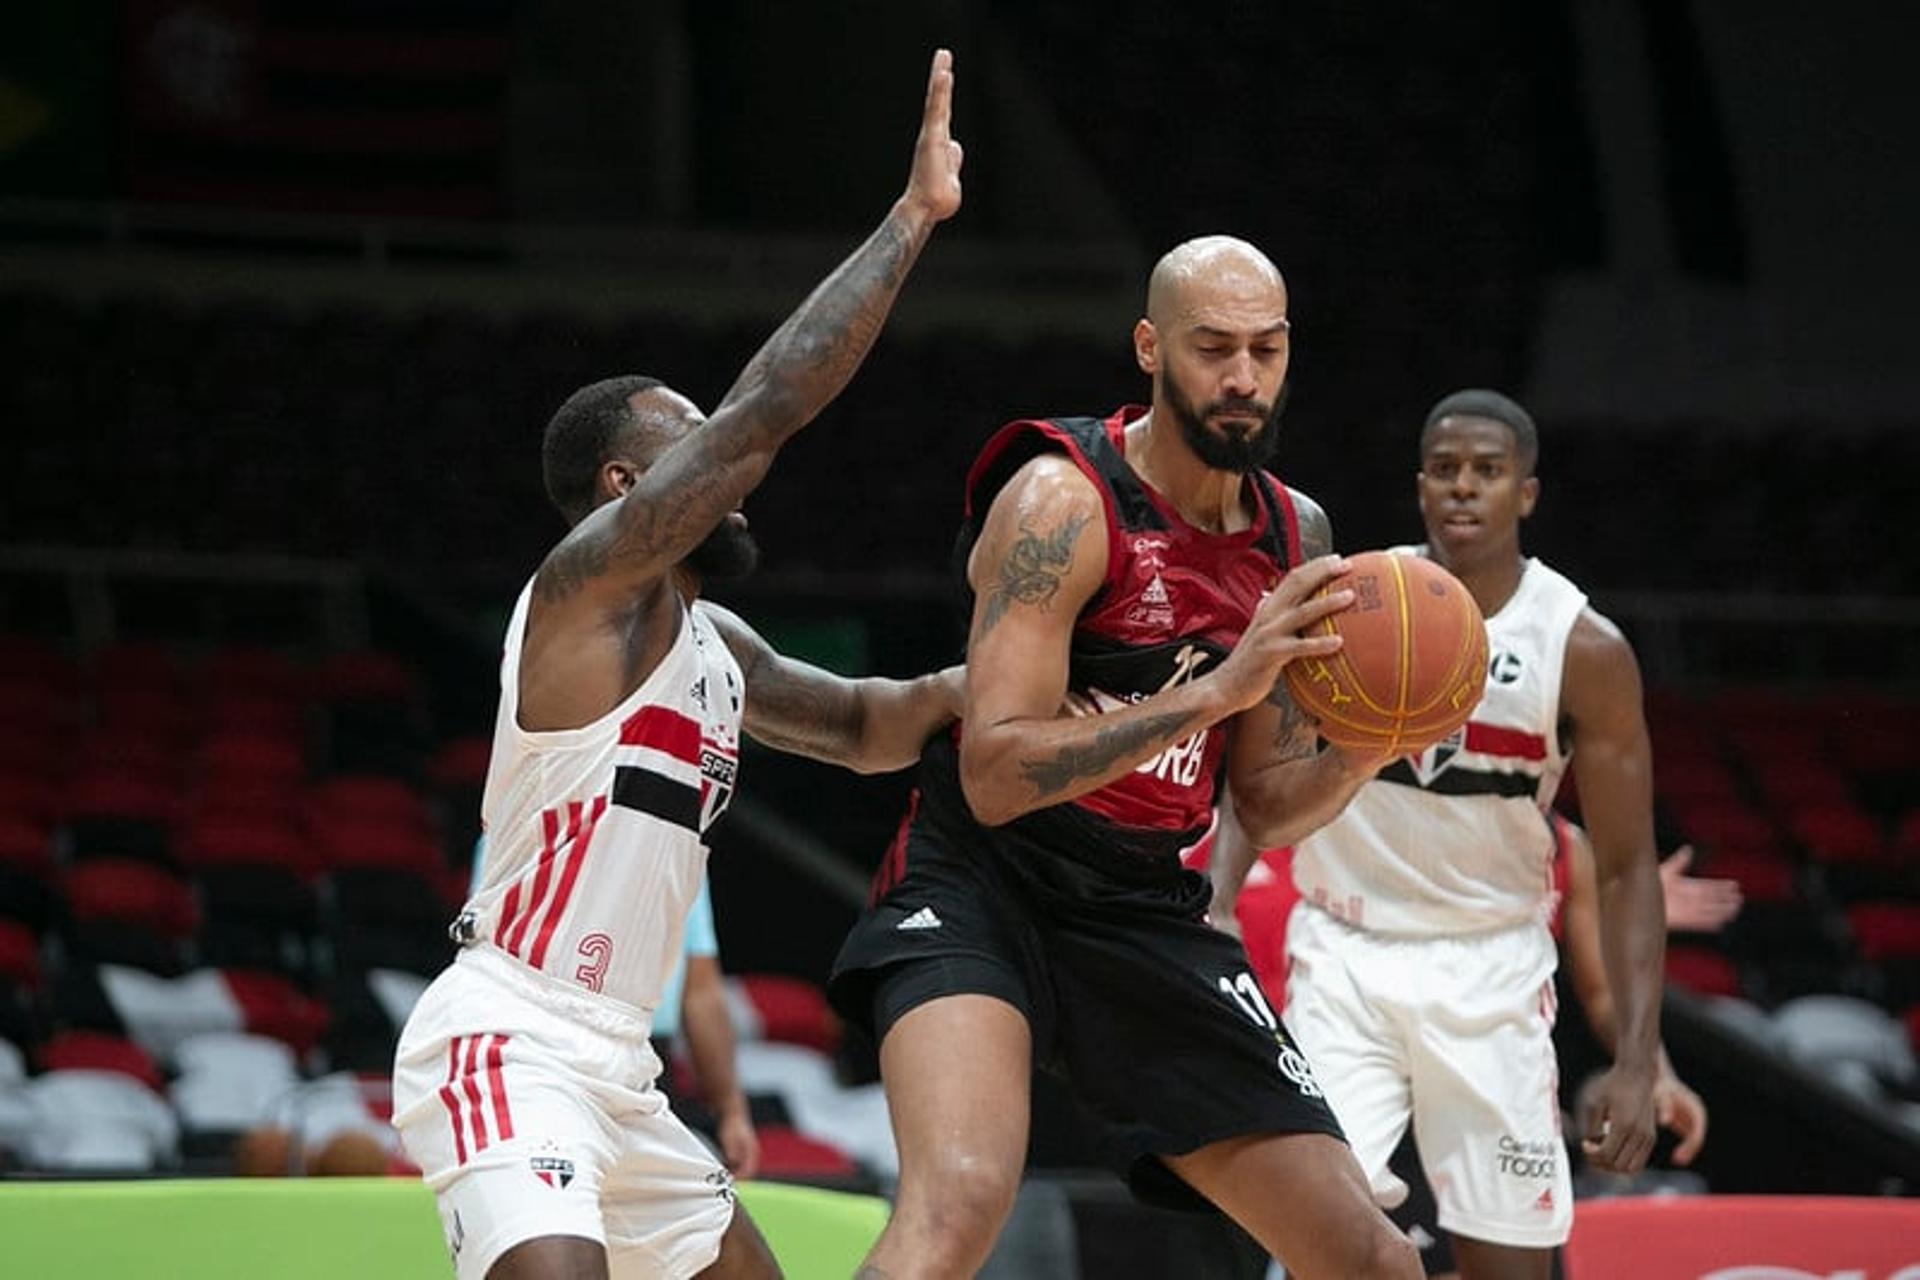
x=1432, y=762
x=555, y=1171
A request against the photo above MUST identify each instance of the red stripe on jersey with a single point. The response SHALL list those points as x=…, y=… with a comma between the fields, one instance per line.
x=452, y=1103
x=472, y=1087
x=497, y=1086
x=663, y=729
x=893, y=865
x=542, y=875
x=1491, y=740
x=579, y=837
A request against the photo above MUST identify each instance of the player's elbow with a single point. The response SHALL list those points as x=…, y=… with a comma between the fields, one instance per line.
x=987, y=799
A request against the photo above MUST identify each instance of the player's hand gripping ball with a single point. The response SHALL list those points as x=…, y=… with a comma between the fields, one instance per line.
x=1413, y=659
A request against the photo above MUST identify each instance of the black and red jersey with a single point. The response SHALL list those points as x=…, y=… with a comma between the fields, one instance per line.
x=1174, y=602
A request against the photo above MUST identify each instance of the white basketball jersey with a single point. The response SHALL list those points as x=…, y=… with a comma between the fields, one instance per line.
x=1455, y=840
x=596, y=836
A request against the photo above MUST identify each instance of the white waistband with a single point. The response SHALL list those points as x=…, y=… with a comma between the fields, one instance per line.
x=602, y=1013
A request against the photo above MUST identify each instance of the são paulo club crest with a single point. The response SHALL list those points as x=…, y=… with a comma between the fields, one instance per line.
x=551, y=1167
x=1432, y=762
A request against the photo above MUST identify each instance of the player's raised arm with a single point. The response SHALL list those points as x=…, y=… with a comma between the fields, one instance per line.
x=1613, y=763
x=1282, y=784
x=1041, y=555
x=868, y=725
x=696, y=482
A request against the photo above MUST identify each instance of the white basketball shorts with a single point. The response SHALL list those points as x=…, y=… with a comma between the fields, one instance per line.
x=1456, y=1034
x=531, y=1111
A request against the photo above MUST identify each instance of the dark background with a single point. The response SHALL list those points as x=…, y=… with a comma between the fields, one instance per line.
x=305, y=280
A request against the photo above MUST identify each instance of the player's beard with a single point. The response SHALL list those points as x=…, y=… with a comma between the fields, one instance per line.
x=728, y=552
x=1224, y=450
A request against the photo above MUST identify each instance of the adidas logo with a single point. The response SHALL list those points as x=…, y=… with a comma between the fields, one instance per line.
x=1155, y=592
x=1545, y=1202
x=921, y=919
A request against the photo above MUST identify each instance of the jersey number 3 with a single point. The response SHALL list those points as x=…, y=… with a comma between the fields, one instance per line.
x=597, y=950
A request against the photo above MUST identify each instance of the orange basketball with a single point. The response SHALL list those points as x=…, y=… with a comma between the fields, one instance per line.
x=1414, y=661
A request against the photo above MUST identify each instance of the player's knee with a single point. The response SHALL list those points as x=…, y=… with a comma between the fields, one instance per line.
x=1387, y=1254
x=960, y=1205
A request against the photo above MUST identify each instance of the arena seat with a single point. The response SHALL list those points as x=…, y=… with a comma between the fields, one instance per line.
x=19, y=956
x=1886, y=930
x=1703, y=969
x=1837, y=833
x=99, y=1051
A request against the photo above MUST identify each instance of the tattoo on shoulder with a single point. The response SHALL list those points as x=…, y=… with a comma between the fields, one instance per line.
x=1032, y=569
x=1316, y=531
x=572, y=565
x=1070, y=764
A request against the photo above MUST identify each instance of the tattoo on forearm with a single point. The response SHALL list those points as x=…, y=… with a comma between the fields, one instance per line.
x=819, y=716
x=1032, y=570
x=1073, y=763
x=1296, y=736
x=789, y=380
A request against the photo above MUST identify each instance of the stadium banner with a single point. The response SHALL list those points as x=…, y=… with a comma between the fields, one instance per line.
x=1745, y=1238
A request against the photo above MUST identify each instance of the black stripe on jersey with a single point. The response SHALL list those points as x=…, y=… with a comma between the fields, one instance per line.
x=1462, y=782
x=648, y=792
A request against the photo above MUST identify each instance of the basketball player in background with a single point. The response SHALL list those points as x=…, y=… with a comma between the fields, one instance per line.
x=1421, y=962
x=1266, y=897
x=1033, y=908
x=524, y=1078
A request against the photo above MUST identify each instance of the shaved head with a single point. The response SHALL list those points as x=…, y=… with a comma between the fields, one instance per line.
x=1201, y=274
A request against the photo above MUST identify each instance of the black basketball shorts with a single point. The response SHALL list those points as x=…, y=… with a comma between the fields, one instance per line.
x=1152, y=1017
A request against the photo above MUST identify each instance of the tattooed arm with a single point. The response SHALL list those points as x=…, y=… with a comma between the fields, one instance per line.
x=1041, y=556
x=678, y=500
x=1283, y=785
x=869, y=725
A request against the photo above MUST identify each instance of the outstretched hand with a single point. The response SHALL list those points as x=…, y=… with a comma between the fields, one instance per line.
x=1694, y=904
x=934, y=184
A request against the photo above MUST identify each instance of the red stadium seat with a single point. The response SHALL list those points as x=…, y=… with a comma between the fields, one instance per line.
x=1886, y=930
x=1703, y=970
x=363, y=800
x=253, y=757
x=792, y=1010
x=256, y=673
x=255, y=713
x=1837, y=833
x=1906, y=839
x=463, y=762
x=272, y=1006
x=366, y=675
x=785, y=1153
x=1730, y=827
x=25, y=844
x=99, y=1051
x=1685, y=778
x=19, y=956
x=379, y=846
x=35, y=798
x=241, y=840
x=1763, y=877
x=124, y=891
x=1794, y=784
